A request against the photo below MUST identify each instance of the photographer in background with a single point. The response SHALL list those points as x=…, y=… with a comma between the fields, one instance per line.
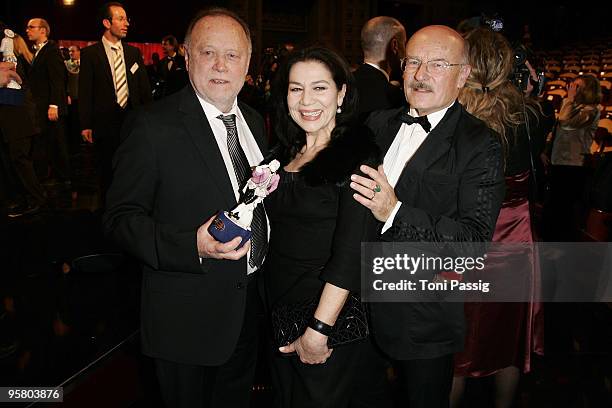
x=534, y=90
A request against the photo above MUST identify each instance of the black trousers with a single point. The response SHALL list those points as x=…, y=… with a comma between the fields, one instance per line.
x=106, y=137
x=54, y=138
x=354, y=376
x=21, y=162
x=224, y=386
x=425, y=383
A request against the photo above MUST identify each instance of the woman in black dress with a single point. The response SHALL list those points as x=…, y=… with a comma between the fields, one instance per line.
x=316, y=231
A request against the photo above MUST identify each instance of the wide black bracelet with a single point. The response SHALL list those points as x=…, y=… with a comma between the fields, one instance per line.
x=322, y=327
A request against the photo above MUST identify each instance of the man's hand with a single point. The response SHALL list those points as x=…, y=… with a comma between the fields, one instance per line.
x=375, y=192
x=208, y=247
x=52, y=114
x=310, y=346
x=87, y=135
x=571, y=91
x=545, y=160
x=7, y=73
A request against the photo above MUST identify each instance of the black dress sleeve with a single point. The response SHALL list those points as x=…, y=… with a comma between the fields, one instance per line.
x=344, y=267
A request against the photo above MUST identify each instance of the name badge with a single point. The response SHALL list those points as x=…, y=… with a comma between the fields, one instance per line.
x=134, y=68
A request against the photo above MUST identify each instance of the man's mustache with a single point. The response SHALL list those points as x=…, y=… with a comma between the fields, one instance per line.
x=420, y=85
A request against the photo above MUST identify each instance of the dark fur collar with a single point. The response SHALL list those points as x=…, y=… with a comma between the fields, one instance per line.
x=341, y=158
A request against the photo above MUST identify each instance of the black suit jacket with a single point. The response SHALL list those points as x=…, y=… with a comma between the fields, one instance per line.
x=97, y=98
x=375, y=92
x=451, y=191
x=174, y=78
x=48, y=81
x=169, y=178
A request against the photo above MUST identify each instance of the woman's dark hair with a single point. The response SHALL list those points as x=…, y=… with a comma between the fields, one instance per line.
x=289, y=134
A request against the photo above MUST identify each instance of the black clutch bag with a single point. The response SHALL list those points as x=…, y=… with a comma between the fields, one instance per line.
x=290, y=321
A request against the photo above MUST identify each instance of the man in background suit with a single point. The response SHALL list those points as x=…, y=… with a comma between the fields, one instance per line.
x=442, y=180
x=73, y=66
x=172, y=67
x=180, y=162
x=112, y=81
x=383, y=41
x=48, y=85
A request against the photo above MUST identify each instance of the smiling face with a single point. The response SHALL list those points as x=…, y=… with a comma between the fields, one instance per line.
x=313, y=97
x=427, y=92
x=217, y=59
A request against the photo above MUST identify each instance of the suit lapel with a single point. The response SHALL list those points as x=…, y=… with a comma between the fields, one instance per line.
x=393, y=126
x=104, y=63
x=129, y=60
x=436, y=144
x=202, y=136
x=41, y=54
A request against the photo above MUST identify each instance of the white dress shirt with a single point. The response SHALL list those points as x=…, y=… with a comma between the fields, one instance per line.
x=246, y=140
x=407, y=141
x=110, y=56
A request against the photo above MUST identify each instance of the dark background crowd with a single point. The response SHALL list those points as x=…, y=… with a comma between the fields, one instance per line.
x=69, y=298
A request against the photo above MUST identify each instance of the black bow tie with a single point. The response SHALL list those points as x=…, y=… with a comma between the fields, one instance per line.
x=421, y=120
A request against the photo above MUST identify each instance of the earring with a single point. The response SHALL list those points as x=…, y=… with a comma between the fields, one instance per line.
x=339, y=110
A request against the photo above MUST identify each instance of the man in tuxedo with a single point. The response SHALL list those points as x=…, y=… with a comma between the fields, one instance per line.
x=48, y=85
x=383, y=41
x=112, y=81
x=441, y=181
x=172, y=67
x=183, y=159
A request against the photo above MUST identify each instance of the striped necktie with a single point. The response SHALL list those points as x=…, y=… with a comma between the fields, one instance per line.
x=259, y=226
x=121, y=87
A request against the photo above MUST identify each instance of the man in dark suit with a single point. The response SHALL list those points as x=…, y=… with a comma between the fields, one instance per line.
x=112, y=81
x=441, y=181
x=183, y=159
x=48, y=85
x=383, y=41
x=172, y=67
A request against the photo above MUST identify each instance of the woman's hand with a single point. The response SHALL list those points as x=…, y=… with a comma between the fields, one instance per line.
x=310, y=346
x=375, y=192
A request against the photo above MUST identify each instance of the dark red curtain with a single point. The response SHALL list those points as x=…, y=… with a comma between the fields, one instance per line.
x=147, y=49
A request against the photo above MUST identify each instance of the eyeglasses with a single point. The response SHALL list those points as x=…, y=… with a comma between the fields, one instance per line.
x=121, y=19
x=434, y=67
